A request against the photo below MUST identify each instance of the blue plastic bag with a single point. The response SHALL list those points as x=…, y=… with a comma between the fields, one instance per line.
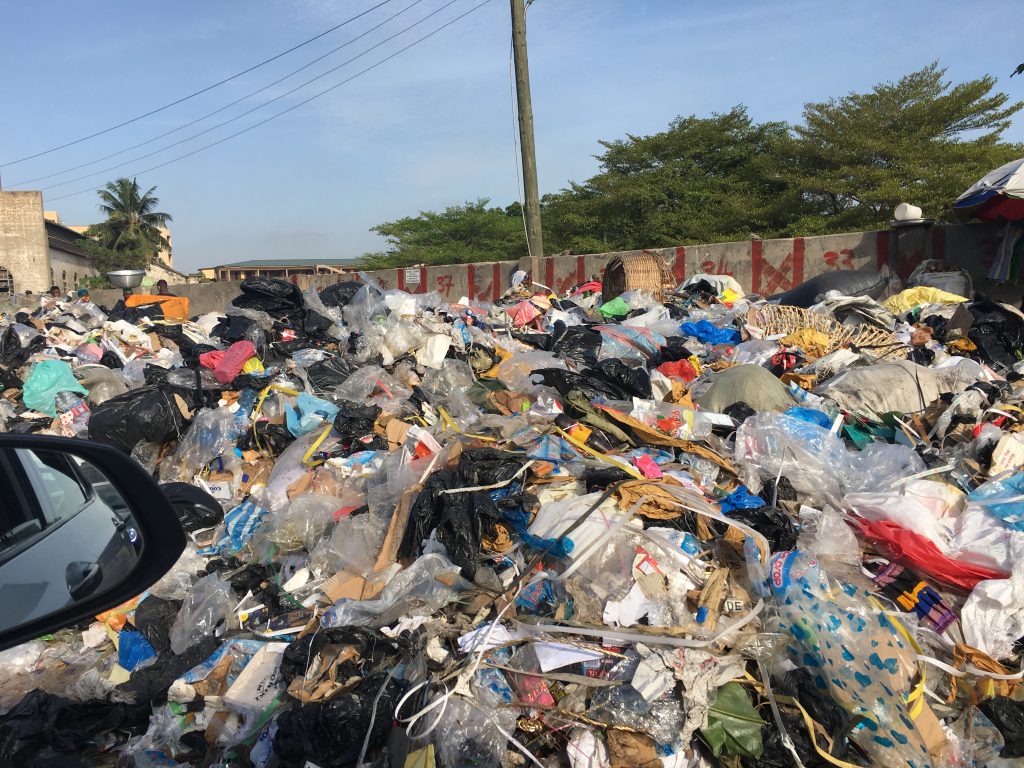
x=708, y=333
x=741, y=498
x=309, y=413
x=811, y=416
x=1011, y=513
x=133, y=649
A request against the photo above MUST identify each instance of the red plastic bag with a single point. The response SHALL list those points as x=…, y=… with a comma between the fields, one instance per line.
x=920, y=553
x=678, y=369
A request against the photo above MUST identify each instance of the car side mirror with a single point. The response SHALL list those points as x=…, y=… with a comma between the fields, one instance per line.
x=83, y=528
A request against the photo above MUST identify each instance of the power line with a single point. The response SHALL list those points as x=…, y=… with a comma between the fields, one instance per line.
x=196, y=93
x=257, y=107
x=228, y=106
x=294, y=106
x=210, y=114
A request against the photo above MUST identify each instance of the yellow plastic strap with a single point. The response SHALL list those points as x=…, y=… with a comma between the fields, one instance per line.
x=263, y=396
x=315, y=445
x=809, y=722
x=633, y=471
x=447, y=423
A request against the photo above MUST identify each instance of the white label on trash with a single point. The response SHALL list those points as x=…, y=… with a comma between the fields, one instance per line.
x=412, y=276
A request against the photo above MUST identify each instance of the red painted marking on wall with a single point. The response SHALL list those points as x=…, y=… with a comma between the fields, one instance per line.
x=798, y=261
x=756, y=265
x=549, y=273
x=422, y=287
x=939, y=243
x=401, y=278
x=581, y=270
x=471, y=281
x=495, y=282
x=679, y=265
x=841, y=259
x=445, y=283
x=881, y=248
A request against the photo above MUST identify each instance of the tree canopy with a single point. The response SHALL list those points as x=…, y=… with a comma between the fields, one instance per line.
x=850, y=161
x=130, y=238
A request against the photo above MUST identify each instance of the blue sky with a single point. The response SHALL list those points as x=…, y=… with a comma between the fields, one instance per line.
x=433, y=126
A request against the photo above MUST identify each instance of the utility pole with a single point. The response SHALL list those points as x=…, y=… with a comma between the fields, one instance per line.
x=532, y=201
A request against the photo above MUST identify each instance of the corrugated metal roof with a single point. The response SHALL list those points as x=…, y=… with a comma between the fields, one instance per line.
x=270, y=263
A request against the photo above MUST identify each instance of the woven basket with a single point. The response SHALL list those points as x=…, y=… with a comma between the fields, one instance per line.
x=776, y=319
x=643, y=271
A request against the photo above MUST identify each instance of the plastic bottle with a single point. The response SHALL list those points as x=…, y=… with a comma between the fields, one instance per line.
x=74, y=414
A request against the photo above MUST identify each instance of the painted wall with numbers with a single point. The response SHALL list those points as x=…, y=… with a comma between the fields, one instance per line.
x=761, y=266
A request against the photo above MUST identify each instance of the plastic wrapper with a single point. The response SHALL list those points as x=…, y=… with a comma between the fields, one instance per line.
x=426, y=586
x=303, y=522
x=855, y=651
x=210, y=603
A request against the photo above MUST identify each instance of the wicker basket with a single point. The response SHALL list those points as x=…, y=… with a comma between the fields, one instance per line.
x=643, y=271
x=776, y=319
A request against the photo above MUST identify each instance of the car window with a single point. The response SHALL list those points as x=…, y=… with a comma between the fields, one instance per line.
x=19, y=520
x=56, y=482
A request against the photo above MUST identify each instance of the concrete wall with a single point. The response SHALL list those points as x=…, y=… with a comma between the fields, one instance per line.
x=203, y=297
x=65, y=266
x=761, y=266
x=23, y=243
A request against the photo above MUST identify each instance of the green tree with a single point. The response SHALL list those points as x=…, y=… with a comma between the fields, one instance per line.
x=130, y=237
x=704, y=179
x=920, y=140
x=458, y=235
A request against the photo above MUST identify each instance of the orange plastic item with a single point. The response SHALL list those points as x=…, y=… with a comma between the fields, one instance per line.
x=174, y=307
x=115, y=618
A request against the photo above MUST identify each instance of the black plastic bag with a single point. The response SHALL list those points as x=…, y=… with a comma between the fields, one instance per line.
x=329, y=373
x=674, y=350
x=12, y=354
x=355, y=421
x=135, y=315
x=149, y=414
x=372, y=646
x=331, y=735
x=633, y=379
x=149, y=685
x=461, y=520
x=1007, y=716
x=270, y=295
x=772, y=523
x=48, y=725
x=849, y=282
x=997, y=332
x=195, y=507
x=232, y=328
x=267, y=438
x=154, y=617
x=340, y=294
x=579, y=344
x=591, y=386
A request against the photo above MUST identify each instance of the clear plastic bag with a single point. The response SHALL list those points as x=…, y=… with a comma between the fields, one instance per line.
x=516, y=372
x=213, y=431
x=176, y=584
x=365, y=306
x=210, y=604
x=447, y=387
x=102, y=383
x=303, y=522
x=469, y=734
x=419, y=590
x=373, y=381
x=353, y=546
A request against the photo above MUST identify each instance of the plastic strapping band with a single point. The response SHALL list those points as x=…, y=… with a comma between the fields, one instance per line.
x=632, y=471
x=448, y=423
x=316, y=444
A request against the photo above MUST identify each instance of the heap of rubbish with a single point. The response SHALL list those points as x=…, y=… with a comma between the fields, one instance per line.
x=681, y=528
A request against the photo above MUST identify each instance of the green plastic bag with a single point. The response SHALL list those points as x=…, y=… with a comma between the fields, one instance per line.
x=734, y=727
x=617, y=307
x=49, y=377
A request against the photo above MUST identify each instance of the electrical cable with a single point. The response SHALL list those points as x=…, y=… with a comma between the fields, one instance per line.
x=195, y=93
x=294, y=106
x=219, y=110
x=253, y=109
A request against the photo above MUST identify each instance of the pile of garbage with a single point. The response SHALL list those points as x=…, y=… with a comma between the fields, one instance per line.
x=689, y=528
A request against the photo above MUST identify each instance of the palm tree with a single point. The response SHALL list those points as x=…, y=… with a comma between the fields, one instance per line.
x=131, y=216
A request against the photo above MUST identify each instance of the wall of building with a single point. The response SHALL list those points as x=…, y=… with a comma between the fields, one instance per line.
x=23, y=243
x=67, y=269
x=203, y=297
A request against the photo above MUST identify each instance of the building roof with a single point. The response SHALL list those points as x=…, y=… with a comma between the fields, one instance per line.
x=268, y=263
x=64, y=238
